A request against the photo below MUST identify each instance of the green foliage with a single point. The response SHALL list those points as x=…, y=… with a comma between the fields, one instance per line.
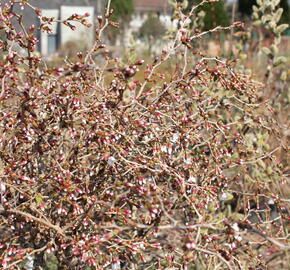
x=2, y=35
x=215, y=13
x=245, y=8
x=123, y=9
x=51, y=262
x=268, y=14
x=152, y=28
x=286, y=11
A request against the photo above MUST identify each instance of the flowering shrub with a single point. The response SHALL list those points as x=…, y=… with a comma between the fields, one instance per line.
x=174, y=171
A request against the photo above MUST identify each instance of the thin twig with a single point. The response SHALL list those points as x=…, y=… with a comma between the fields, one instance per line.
x=39, y=220
x=29, y=254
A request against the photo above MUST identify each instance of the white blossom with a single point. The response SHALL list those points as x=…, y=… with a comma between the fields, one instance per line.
x=116, y=266
x=29, y=263
x=111, y=161
x=192, y=179
x=2, y=188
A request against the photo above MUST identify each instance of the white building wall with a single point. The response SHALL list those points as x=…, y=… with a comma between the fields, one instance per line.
x=82, y=33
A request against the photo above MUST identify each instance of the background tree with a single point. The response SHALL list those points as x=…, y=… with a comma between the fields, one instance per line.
x=245, y=8
x=215, y=13
x=152, y=30
x=3, y=42
x=123, y=10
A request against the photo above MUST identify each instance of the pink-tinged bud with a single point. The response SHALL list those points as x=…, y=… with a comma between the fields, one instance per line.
x=100, y=19
x=183, y=31
x=239, y=24
x=38, y=12
x=101, y=46
x=190, y=245
x=139, y=62
x=91, y=261
x=31, y=28
x=115, y=24
x=20, y=35
x=59, y=69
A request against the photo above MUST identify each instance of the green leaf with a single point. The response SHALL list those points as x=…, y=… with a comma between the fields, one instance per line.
x=257, y=23
x=243, y=56
x=203, y=230
x=255, y=16
x=269, y=170
x=278, y=14
x=283, y=76
x=267, y=18
x=260, y=2
x=281, y=28
x=237, y=216
x=279, y=60
x=262, y=164
x=276, y=2
x=255, y=9
x=274, y=49
x=38, y=198
x=185, y=4
x=226, y=196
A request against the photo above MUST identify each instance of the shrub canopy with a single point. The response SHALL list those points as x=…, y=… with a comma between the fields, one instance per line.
x=100, y=172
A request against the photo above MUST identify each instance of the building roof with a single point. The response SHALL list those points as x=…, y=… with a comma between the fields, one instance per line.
x=152, y=5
